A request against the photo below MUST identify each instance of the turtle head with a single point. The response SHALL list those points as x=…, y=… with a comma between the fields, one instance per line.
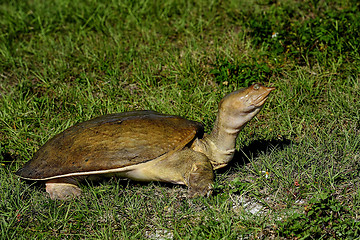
x=235, y=110
x=239, y=107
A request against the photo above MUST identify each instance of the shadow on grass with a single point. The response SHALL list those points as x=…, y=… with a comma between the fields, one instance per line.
x=7, y=158
x=253, y=150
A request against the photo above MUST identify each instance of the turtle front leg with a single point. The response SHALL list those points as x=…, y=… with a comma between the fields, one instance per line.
x=62, y=188
x=200, y=178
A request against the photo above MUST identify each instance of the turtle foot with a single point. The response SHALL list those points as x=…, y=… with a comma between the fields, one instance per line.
x=200, y=180
x=204, y=191
x=62, y=190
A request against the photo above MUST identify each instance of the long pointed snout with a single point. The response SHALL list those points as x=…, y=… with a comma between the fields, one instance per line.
x=269, y=89
x=259, y=94
x=259, y=87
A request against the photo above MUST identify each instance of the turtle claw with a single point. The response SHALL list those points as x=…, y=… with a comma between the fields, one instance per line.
x=200, y=192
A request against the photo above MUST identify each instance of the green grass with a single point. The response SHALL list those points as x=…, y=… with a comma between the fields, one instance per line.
x=62, y=62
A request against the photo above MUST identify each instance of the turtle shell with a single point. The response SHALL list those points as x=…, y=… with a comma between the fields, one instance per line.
x=110, y=142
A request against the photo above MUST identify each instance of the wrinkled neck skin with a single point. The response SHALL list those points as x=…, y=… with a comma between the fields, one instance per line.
x=219, y=146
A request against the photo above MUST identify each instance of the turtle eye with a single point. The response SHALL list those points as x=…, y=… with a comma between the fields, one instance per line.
x=256, y=87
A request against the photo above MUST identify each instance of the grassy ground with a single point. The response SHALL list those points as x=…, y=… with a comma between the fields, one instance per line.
x=296, y=173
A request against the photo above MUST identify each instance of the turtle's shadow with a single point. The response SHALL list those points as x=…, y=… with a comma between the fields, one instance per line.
x=253, y=150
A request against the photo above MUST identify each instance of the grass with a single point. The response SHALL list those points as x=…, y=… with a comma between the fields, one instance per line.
x=296, y=172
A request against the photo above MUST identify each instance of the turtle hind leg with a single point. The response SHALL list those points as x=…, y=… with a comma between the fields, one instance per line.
x=200, y=178
x=62, y=188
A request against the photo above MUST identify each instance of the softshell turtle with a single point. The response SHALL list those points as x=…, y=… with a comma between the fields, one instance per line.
x=145, y=146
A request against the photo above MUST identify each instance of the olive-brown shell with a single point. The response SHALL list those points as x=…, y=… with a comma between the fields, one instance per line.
x=110, y=142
